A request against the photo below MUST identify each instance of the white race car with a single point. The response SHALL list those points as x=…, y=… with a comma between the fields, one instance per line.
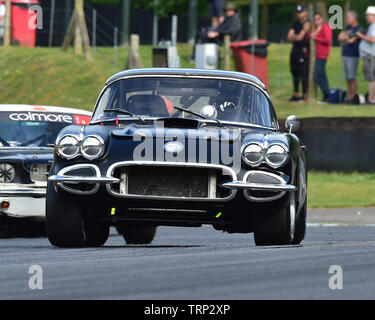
x=27, y=137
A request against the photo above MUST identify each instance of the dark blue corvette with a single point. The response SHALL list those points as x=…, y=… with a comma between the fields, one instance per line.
x=178, y=147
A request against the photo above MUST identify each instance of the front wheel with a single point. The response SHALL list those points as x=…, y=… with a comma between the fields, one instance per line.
x=300, y=229
x=137, y=235
x=69, y=225
x=276, y=228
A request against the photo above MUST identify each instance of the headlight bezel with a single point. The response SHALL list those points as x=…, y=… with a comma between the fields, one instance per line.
x=255, y=163
x=80, y=151
x=265, y=147
x=280, y=163
x=59, y=149
x=97, y=155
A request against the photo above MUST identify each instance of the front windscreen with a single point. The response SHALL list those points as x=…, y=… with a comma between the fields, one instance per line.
x=197, y=98
x=33, y=129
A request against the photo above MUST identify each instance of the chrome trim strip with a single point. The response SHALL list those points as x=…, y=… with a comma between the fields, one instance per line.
x=170, y=164
x=63, y=171
x=20, y=193
x=6, y=148
x=259, y=186
x=280, y=189
x=267, y=199
x=78, y=179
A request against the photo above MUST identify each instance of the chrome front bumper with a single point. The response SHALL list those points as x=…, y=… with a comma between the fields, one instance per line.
x=259, y=186
x=76, y=179
x=276, y=185
x=22, y=190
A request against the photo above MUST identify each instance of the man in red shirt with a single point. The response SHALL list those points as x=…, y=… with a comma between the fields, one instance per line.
x=323, y=42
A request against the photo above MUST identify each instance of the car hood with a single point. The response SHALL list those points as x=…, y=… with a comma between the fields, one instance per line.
x=26, y=155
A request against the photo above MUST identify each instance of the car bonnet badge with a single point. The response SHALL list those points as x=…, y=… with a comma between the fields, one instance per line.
x=173, y=147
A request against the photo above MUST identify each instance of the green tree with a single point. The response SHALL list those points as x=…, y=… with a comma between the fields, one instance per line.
x=161, y=7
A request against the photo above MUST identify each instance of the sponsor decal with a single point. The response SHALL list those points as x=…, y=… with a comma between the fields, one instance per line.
x=81, y=120
x=41, y=117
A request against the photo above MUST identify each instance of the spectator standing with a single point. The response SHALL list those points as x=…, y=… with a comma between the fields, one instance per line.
x=323, y=42
x=350, y=53
x=367, y=51
x=216, y=10
x=299, y=35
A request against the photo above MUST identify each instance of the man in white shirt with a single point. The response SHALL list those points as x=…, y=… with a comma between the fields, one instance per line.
x=367, y=51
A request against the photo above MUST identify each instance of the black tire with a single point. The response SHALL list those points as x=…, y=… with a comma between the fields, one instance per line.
x=97, y=233
x=300, y=227
x=137, y=235
x=272, y=229
x=68, y=225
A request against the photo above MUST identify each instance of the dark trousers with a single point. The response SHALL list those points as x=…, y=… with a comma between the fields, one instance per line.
x=320, y=76
x=299, y=67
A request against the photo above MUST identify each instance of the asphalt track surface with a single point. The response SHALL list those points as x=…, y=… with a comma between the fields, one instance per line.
x=197, y=263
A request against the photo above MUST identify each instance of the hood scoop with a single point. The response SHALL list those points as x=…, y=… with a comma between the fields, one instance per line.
x=181, y=123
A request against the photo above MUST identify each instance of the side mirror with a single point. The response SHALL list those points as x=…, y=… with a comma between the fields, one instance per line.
x=292, y=124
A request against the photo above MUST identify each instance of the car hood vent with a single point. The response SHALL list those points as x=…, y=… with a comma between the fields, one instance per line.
x=177, y=123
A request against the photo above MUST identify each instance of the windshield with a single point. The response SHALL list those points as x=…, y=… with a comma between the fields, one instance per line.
x=24, y=129
x=225, y=100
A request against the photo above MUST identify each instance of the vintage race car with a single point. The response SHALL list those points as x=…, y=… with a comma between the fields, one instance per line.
x=27, y=137
x=178, y=147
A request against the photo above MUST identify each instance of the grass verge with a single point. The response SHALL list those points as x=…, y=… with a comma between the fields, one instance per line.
x=341, y=190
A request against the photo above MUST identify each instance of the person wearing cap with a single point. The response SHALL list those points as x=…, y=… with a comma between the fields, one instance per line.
x=367, y=51
x=299, y=35
x=216, y=10
x=323, y=42
x=350, y=53
x=231, y=25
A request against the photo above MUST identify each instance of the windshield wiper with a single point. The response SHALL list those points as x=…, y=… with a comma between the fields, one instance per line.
x=125, y=112
x=197, y=114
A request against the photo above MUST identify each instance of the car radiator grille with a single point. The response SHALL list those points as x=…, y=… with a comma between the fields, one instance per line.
x=168, y=182
x=175, y=182
x=39, y=172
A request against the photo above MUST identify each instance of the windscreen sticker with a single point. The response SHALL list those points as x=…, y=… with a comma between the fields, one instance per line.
x=44, y=117
x=81, y=120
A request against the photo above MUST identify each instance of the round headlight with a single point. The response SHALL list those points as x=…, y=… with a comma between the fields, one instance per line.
x=7, y=173
x=253, y=154
x=68, y=147
x=276, y=155
x=92, y=147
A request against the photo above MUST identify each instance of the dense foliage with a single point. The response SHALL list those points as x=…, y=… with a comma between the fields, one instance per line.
x=160, y=7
